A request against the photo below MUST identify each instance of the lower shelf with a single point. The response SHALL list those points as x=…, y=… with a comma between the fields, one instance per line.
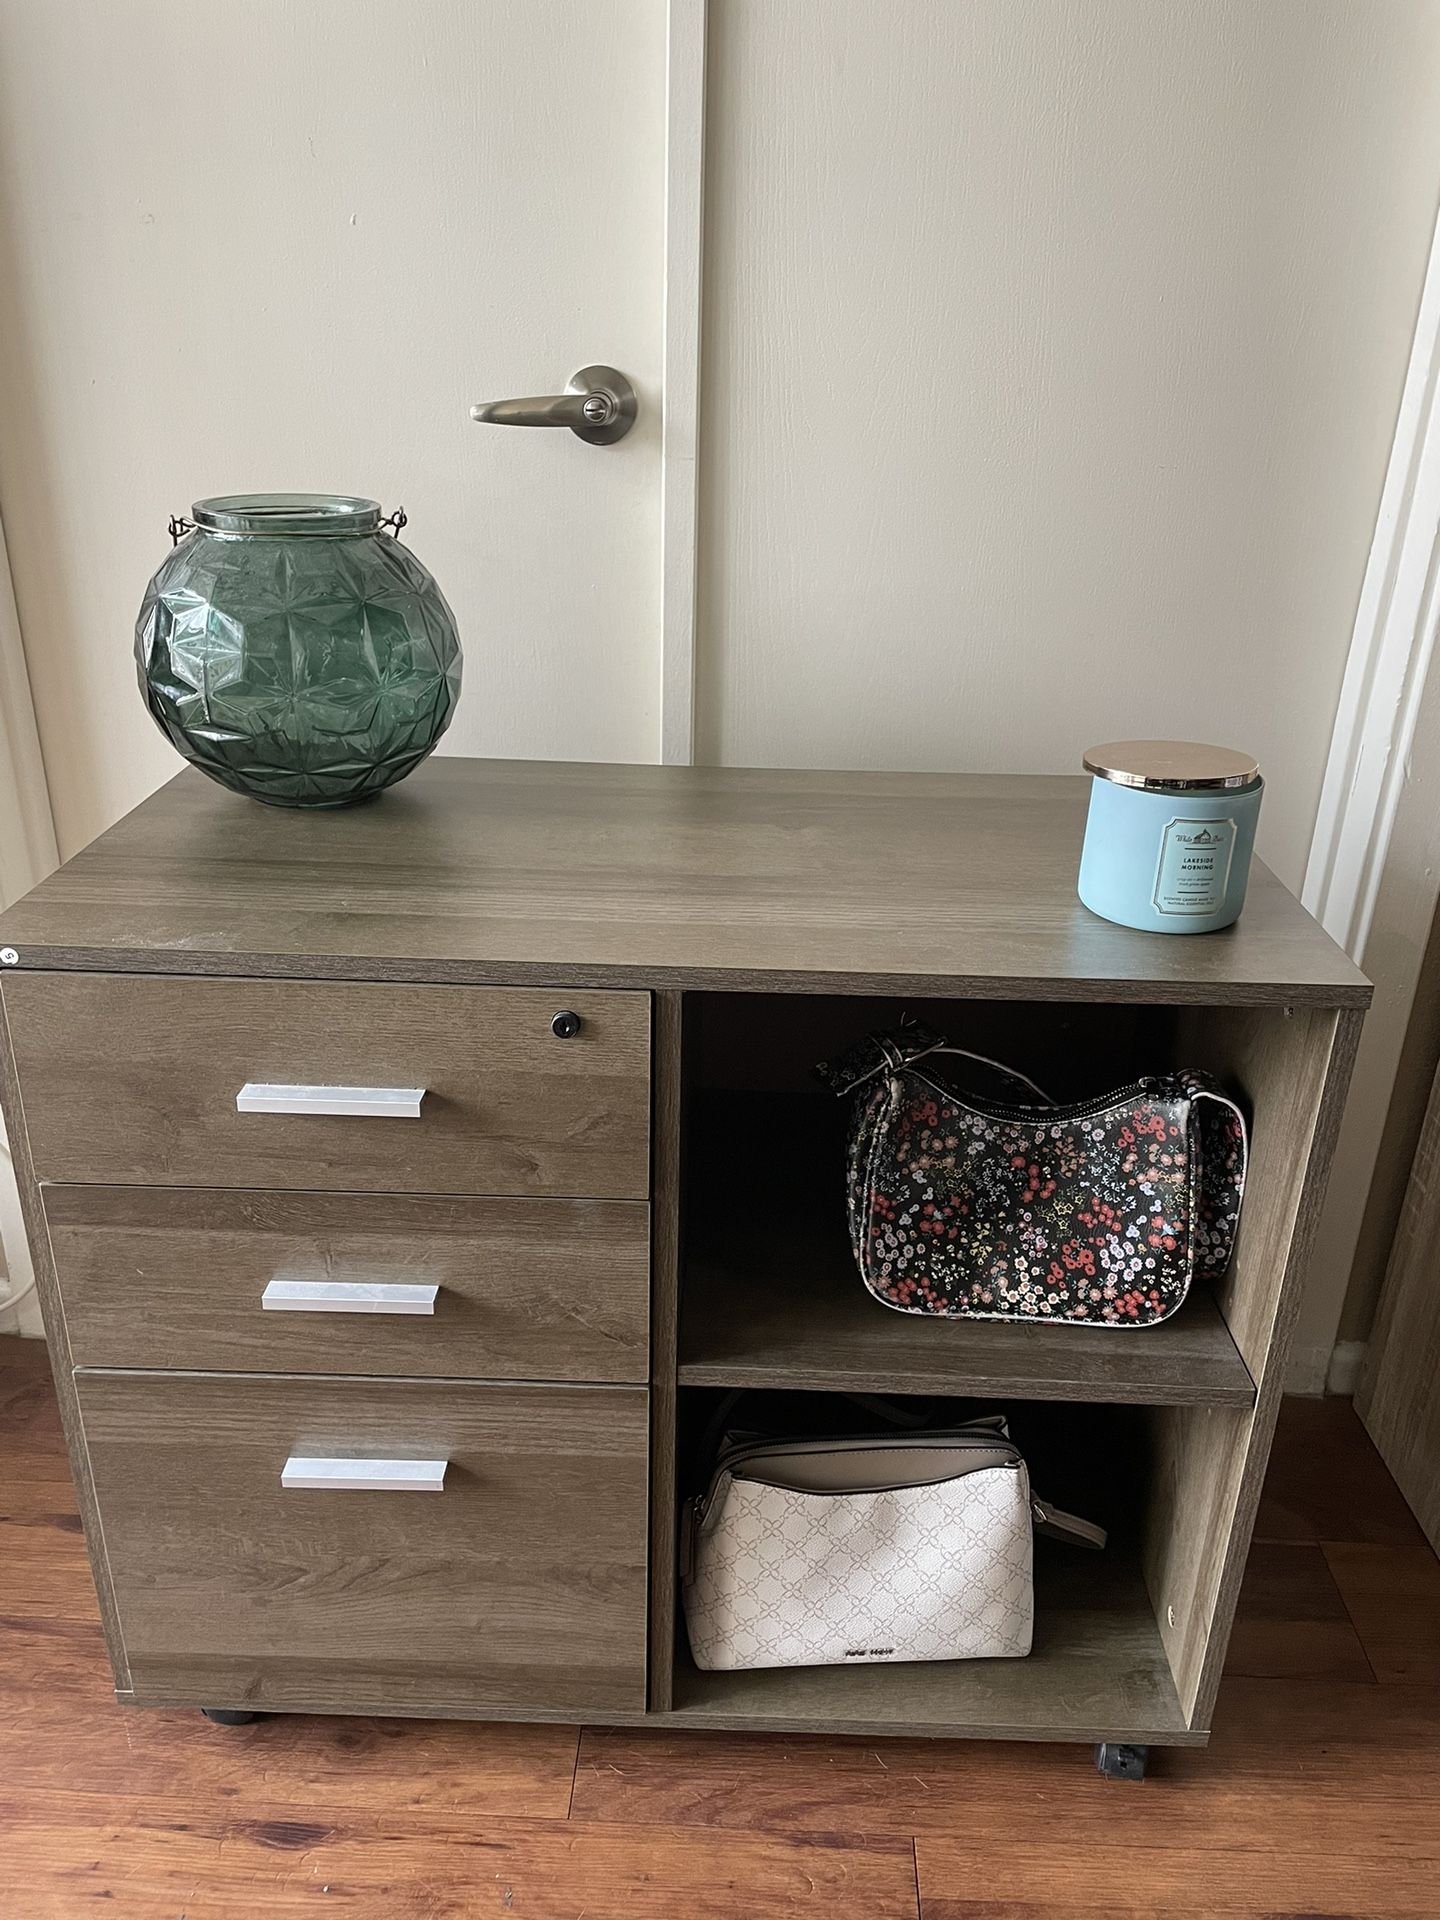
x=1097, y=1672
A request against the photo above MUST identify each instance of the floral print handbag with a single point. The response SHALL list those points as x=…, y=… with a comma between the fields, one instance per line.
x=1100, y=1213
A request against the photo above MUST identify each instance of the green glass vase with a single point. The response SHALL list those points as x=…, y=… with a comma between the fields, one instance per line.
x=294, y=650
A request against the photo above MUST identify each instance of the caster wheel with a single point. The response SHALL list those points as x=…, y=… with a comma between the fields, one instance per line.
x=1118, y=1761
x=227, y=1717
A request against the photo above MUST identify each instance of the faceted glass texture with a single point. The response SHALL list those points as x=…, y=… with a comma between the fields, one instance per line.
x=303, y=666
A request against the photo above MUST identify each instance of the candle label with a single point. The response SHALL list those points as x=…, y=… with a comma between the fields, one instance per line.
x=1194, y=869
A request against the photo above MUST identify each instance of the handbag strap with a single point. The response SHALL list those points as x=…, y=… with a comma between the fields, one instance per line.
x=1057, y=1524
x=714, y=1433
x=888, y=1051
x=999, y=1066
x=1223, y=1152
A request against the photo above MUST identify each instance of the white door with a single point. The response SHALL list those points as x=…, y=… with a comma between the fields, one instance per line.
x=1027, y=421
x=286, y=244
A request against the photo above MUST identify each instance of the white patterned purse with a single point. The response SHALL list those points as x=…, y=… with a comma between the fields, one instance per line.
x=914, y=1546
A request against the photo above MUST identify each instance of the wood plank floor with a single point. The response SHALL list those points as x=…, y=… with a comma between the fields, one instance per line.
x=1319, y=1795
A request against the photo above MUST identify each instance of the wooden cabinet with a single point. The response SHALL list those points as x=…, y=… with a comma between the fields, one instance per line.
x=529, y=1292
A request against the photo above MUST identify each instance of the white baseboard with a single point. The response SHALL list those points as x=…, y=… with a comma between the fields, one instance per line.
x=15, y=1270
x=1315, y=1372
x=1343, y=1374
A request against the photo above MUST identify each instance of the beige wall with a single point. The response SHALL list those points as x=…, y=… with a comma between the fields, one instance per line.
x=1052, y=353
x=285, y=244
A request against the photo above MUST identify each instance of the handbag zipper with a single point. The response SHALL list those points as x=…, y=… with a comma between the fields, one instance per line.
x=899, y=1486
x=993, y=1433
x=968, y=1440
x=1049, y=1519
x=1033, y=1116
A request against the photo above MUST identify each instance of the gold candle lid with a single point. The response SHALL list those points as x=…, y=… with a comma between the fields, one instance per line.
x=1171, y=765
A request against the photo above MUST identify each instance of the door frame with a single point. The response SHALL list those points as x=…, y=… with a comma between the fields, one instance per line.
x=27, y=854
x=27, y=828
x=1373, y=875
x=685, y=36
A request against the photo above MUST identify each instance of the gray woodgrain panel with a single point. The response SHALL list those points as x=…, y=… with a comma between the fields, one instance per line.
x=134, y=1079
x=665, y=1312
x=1210, y=1462
x=529, y=1289
x=1398, y=1400
x=655, y=877
x=522, y=1584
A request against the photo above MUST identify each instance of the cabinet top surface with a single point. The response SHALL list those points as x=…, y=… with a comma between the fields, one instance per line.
x=644, y=876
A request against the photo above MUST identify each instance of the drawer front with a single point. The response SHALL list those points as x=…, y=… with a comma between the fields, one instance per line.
x=137, y=1080
x=495, y=1289
x=517, y=1580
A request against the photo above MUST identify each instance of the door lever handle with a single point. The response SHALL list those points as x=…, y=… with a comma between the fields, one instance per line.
x=598, y=405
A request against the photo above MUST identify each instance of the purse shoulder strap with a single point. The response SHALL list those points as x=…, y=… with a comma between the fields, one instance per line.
x=1223, y=1152
x=1057, y=1524
x=892, y=1050
x=999, y=1066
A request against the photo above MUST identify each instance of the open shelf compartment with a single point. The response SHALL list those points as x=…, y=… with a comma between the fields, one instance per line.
x=779, y=1303
x=1098, y=1663
x=770, y=1295
x=1129, y=1644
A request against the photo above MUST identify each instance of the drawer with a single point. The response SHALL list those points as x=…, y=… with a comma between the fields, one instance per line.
x=522, y=1289
x=136, y=1080
x=519, y=1584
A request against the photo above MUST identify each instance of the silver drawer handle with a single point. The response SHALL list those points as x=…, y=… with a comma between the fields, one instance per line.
x=364, y=1476
x=346, y=1296
x=382, y=1103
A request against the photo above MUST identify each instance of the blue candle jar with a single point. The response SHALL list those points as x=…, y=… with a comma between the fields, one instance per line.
x=1169, y=835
